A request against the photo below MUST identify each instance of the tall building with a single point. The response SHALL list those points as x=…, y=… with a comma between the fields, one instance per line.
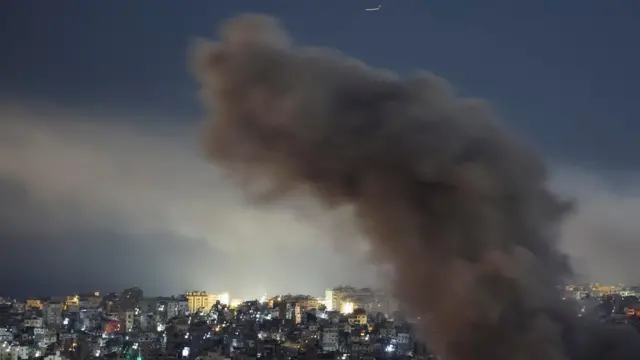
x=200, y=300
x=53, y=313
x=133, y=294
x=298, y=314
x=329, y=302
x=304, y=301
x=34, y=304
x=204, y=300
x=347, y=298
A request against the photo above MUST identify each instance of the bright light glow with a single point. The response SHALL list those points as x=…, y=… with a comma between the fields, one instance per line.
x=235, y=303
x=185, y=352
x=328, y=299
x=347, y=308
x=224, y=298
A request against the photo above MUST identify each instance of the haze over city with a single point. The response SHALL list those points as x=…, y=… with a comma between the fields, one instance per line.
x=103, y=185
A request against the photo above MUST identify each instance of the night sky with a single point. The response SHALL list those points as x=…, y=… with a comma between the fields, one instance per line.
x=102, y=185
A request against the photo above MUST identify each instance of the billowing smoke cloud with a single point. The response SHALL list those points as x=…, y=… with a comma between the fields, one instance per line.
x=450, y=199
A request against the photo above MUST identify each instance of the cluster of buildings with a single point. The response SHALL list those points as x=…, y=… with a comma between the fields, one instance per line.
x=597, y=290
x=348, y=323
x=347, y=298
x=607, y=303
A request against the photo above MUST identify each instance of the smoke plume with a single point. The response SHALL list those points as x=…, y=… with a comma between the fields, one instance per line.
x=448, y=197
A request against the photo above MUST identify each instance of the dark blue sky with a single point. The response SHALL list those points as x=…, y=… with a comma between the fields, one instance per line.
x=563, y=73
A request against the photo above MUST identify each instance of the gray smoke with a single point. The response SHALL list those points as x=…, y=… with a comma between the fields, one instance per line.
x=448, y=197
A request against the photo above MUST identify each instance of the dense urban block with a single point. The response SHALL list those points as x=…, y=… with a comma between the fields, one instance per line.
x=348, y=323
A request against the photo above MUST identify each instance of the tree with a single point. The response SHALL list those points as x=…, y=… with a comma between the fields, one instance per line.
x=311, y=317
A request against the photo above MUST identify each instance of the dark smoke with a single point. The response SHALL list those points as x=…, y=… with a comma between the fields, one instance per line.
x=448, y=197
